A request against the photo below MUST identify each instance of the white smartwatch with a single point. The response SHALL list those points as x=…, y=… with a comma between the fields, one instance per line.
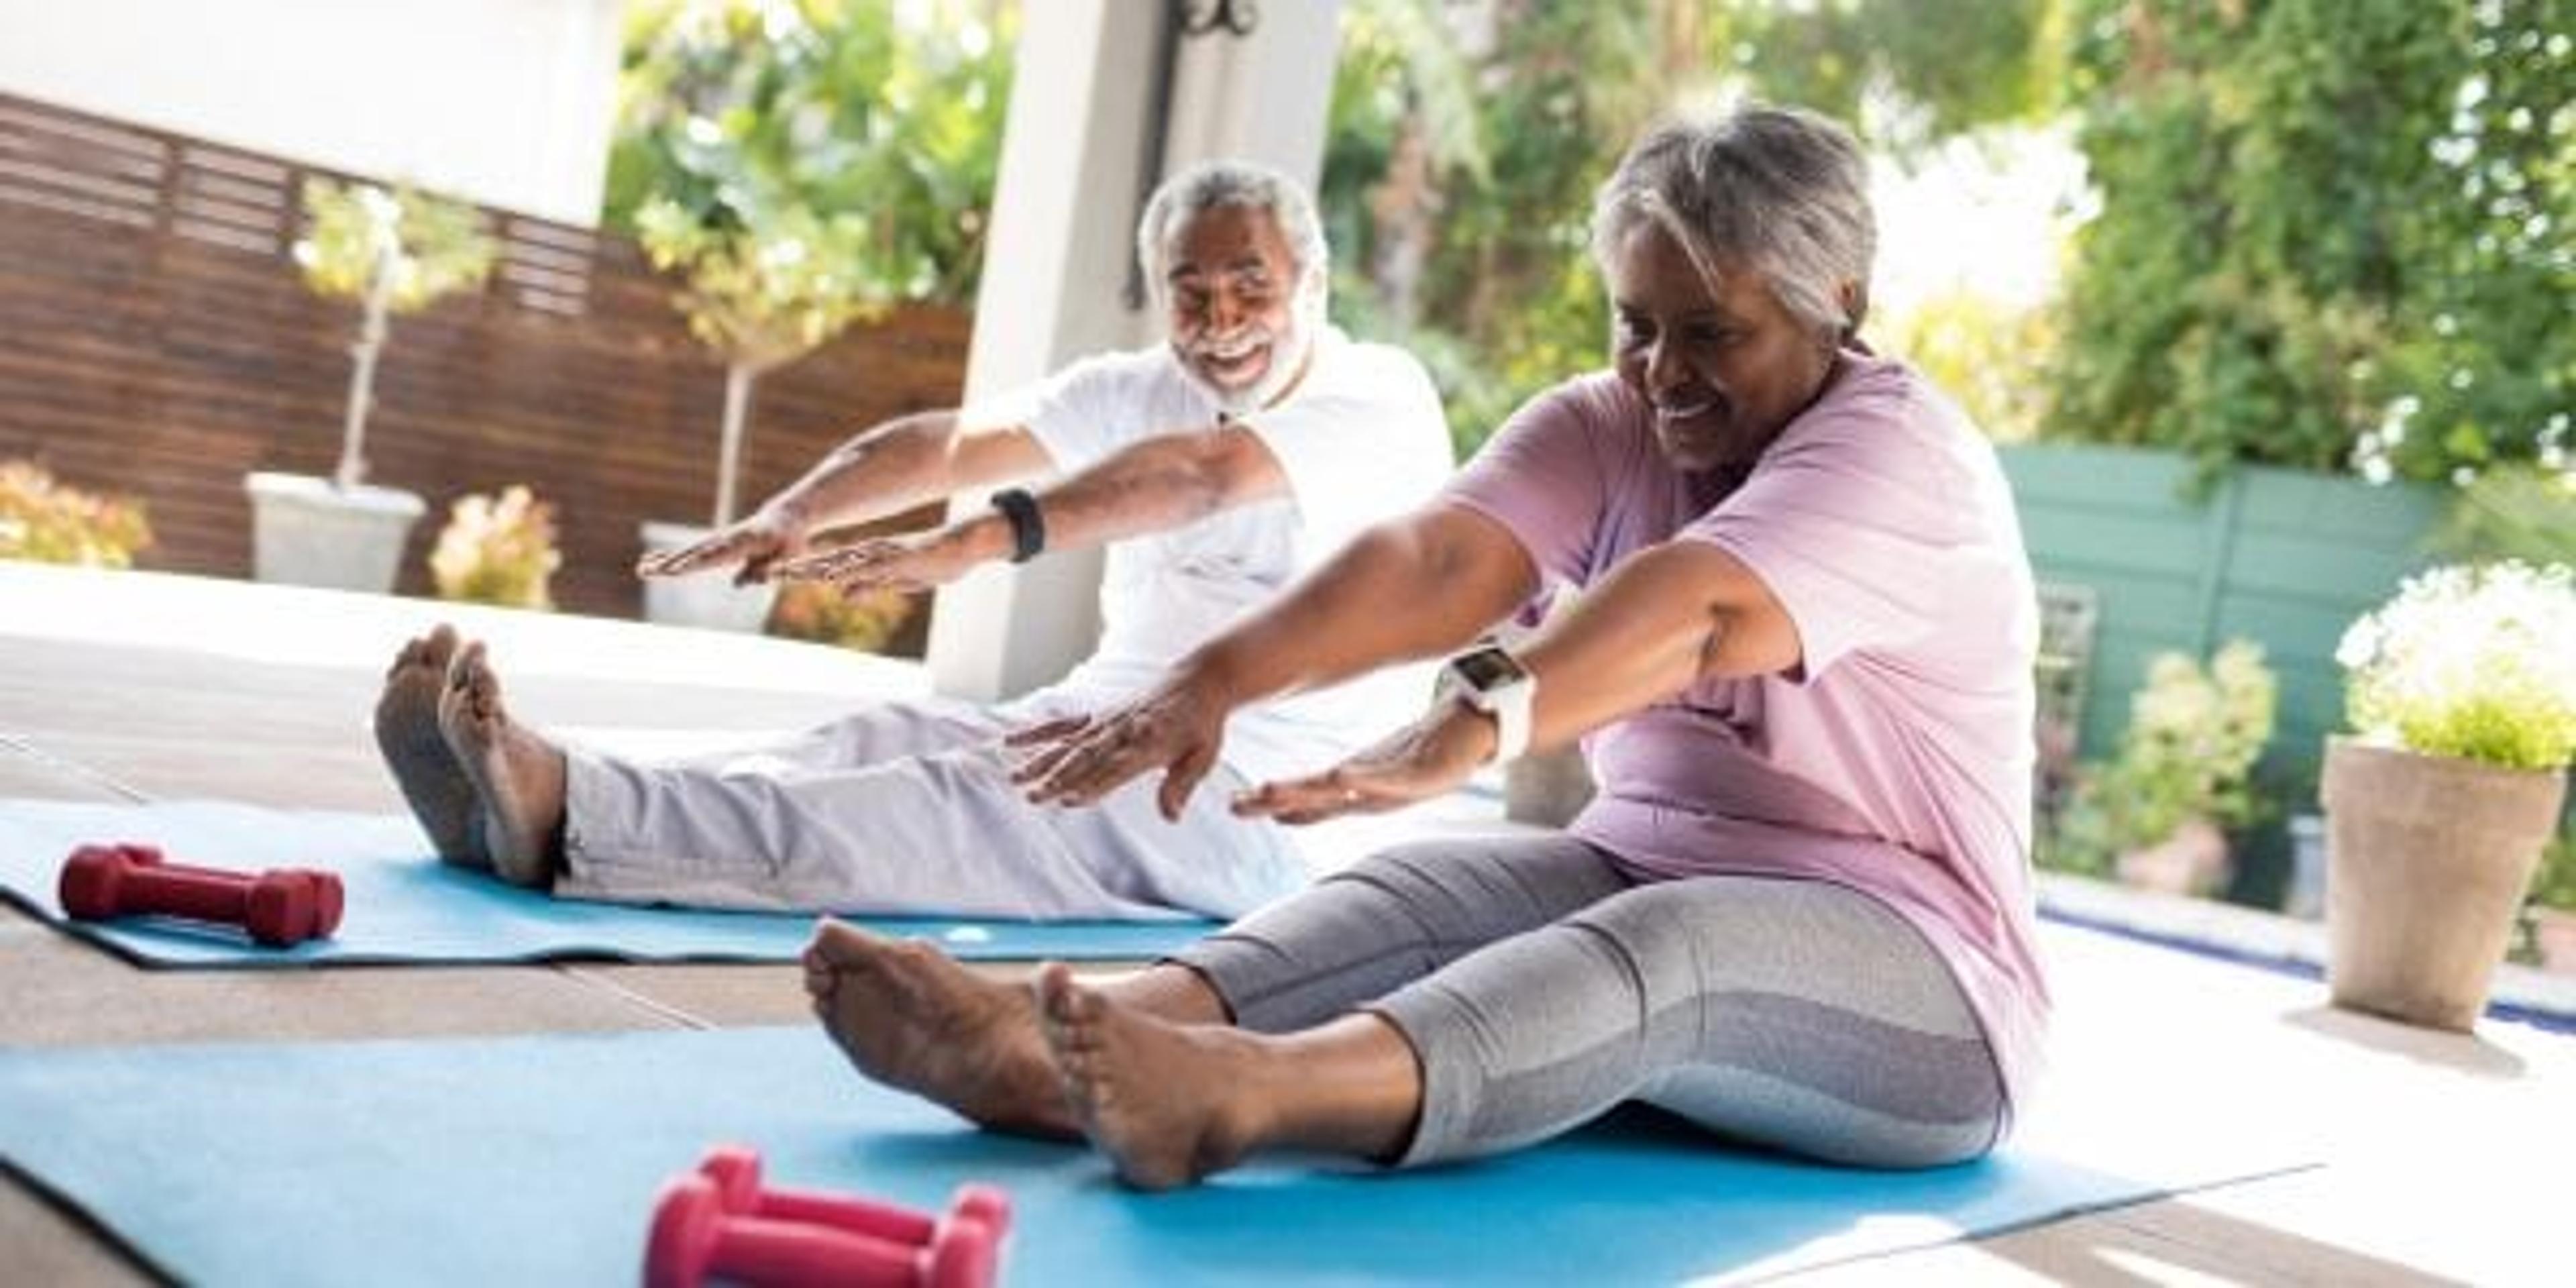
x=1489, y=679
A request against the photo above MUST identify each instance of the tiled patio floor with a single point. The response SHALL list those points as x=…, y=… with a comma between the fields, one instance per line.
x=2443, y=1158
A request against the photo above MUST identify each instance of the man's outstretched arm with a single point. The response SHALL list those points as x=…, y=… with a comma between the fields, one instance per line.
x=884, y=470
x=1153, y=485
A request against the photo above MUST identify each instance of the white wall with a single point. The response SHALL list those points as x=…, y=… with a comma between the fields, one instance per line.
x=504, y=102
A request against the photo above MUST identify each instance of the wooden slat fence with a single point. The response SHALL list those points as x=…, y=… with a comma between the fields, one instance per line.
x=156, y=340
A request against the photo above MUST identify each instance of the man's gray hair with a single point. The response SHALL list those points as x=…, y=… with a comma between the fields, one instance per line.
x=1780, y=190
x=1211, y=184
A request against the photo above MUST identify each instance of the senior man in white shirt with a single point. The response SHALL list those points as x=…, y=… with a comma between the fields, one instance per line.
x=1217, y=467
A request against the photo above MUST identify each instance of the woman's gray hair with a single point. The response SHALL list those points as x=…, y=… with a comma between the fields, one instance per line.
x=1211, y=184
x=1780, y=190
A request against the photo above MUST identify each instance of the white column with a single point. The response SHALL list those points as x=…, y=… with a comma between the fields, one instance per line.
x=1055, y=266
x=1265, y=96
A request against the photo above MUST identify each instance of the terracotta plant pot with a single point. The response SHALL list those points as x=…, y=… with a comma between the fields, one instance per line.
x=2427, y=859
x=2192, y=861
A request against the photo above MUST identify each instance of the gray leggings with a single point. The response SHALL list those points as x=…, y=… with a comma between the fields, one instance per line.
x=1540, y=986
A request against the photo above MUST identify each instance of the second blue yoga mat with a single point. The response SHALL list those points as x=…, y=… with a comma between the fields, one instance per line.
x=405, y=906
x=536, y=1161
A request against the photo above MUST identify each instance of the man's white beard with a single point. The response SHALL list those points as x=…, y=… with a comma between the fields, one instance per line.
x=1289, y=353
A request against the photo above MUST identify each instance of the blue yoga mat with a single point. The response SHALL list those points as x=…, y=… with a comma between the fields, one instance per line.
x=405, y=906
x=536, y=1160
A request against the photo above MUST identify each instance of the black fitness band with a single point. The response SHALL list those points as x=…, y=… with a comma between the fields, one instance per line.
x=1028, y=530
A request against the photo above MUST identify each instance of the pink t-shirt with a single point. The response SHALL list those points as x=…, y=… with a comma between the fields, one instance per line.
x=1896, y=758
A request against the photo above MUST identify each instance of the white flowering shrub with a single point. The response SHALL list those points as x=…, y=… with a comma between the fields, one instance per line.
x=2472, y=661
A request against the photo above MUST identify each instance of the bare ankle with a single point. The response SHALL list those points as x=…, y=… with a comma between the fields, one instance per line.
x=1171, y=992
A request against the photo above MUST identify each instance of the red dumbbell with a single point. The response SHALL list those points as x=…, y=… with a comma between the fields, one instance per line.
x=736, y=1172
x=704, y=1226
x=279, y=907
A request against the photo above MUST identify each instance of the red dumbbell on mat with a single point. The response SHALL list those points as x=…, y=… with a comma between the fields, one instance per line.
x=717, y=1221
x=280, y=907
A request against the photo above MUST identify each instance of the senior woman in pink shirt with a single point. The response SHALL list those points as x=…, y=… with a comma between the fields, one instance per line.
x=1798, y=912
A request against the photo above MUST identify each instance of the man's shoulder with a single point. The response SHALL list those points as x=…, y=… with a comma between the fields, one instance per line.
x=1145, y=365
x=1346, y=367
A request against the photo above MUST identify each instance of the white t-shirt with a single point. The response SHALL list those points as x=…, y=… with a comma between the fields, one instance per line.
x=1361, y=439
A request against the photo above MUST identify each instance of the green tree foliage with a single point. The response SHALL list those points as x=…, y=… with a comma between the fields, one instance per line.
x=2332, y=232
x=414, y=247
x=806, y=164
x=873, y=128
x=394, y=252
x=1467, y=137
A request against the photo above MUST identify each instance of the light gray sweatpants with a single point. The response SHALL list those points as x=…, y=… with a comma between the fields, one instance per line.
x=907, y=808
x=1541, y=986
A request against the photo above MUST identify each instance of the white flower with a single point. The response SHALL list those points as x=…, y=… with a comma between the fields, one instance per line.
x=2474, y=662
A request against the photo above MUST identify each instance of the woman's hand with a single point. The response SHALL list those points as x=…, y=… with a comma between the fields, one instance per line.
x=753, y=547
x=913, y=561
x=1178, y=728
x=1421, y=760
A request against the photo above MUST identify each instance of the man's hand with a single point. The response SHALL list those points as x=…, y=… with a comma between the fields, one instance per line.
x=753, y=547
x=1421, y=760
x=1178, y=729
x=913, y=561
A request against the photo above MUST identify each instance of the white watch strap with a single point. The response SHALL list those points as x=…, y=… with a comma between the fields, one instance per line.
x=1512, y=721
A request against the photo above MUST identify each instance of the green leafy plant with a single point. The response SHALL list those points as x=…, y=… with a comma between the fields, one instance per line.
x=802, y=165
x=2523, y=511
x=2475, y=661
x=497, y=550
x=394, y=251
x=2188, y=754
x=2332, y=234
x=763, y=297
x=814, y=611
x=2554, y=885
x=45, y=521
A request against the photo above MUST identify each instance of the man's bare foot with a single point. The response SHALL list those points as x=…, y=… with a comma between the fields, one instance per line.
x=1169, y=1104
x=433, y=784
x=908, y=1016
x=518, y=777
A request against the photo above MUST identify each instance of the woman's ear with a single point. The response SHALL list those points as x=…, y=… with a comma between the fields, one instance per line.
x=1854, y=297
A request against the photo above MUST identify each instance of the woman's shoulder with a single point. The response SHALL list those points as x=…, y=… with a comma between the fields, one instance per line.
x=1884, y=407
x=1597, y=403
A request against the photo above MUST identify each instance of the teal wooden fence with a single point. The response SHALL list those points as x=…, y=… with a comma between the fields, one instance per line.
x=2281, y=557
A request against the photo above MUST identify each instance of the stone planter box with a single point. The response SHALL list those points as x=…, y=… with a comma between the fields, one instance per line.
x=709, y=601
x=307, y=532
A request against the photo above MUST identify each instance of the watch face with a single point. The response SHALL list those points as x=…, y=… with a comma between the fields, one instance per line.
x=1487, y=669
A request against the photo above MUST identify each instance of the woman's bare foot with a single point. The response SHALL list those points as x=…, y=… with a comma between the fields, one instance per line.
x=518, y=777
x=908, y=1016
x=1169, y=1104
x=433, y=784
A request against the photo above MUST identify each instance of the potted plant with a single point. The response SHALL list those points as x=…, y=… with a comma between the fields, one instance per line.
x=394, y=252
x=497, y=550
x=762, y=291
x=865, y=621
x=2462, y=693
x=2158, y=814
x=802, y=167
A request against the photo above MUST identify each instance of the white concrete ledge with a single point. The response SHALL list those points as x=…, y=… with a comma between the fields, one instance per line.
x=2264, y=938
